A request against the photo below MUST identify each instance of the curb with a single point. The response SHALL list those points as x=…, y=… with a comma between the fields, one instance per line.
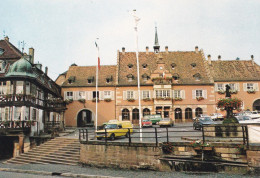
x=46, y=173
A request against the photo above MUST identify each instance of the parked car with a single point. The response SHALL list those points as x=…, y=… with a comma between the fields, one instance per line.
x=199, y=121
x=115, y=129
x=166, y=122
x=147, y=123
x=216, y=116
x=247, y=120
x=156, y=118
x=201, y=115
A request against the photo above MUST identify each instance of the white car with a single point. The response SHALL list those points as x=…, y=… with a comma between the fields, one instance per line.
x=253, y=114
x=216, y=116
x=247, y=120
x=201, y=115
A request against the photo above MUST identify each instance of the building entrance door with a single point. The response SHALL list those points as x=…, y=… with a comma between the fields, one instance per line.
x=135, y=119
x=256, y=105
x=84, y=118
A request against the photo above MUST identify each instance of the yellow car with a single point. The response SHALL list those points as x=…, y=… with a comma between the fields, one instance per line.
x=166, y=122
x=115, y=129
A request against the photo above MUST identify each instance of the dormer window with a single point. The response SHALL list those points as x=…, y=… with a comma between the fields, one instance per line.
x=130, y=77
x=176, y=76
x=145, y=77
x=193, y=65
x=130, y=66
x=71, y=79
x=2, y=51
x=197, y=77
x=109, y=79
x=144, y=66
x=90, y=79
x=173, y=65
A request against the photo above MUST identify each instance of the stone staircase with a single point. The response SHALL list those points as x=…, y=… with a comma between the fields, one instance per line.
x=56, y=151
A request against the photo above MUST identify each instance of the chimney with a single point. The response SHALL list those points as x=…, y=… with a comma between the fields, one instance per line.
x=31, y=53
x=219, y=57
x=123, y=50
x=196, y=49
x=252, y=57
x=147, y=50
x=7, y=38
x=209, y=59
x=166, y=49
x=46, y=70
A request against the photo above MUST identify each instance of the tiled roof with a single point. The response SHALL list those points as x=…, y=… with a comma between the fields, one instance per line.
x=235, y=70
x=181, y=61
x=83, y=73
x=10, y=51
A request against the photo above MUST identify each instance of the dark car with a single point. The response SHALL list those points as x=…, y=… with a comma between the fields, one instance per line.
x=199, y=121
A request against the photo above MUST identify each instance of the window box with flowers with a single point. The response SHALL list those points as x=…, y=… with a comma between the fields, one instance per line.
x=19, y=96
x=82, y=100
x=107, y=99
x=200, y=98
x=163, y=98
x=130, y=99
x=167, y=147
x=221, y=92
x=251, y=91
x=147, y=99
x=177, y=99
x=233, y=91
x=94, y=99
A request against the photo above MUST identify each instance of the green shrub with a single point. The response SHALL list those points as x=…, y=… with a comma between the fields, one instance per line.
x=232, y=120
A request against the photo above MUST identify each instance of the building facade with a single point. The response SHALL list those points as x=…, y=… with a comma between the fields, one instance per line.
x=175, y=84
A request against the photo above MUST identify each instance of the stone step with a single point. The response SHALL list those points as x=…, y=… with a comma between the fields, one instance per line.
x=71, y=156
x=43, y=151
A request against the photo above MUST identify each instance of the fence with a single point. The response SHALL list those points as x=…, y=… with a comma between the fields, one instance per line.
x=208, y=133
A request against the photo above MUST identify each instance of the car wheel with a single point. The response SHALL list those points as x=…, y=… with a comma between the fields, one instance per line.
x=127, y=135
x=112, y=137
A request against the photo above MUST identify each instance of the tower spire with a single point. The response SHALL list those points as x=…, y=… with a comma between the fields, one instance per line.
x=156, y=46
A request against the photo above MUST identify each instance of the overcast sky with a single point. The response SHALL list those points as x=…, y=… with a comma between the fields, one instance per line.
x=63, y=32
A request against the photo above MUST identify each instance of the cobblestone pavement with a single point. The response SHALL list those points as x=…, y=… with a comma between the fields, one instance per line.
x=107, y=172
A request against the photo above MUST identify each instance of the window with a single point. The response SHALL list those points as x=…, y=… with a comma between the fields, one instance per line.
x=250, y=86
x=144, y=66
x=220, y=86
x=81, y=95
x=178, y=113
x=146, y=111
x=2, y=87
x=33, y=90
x=177, y=93
x=197, y=76
x=27, y=87
x=17, y=113
x=1, y=51
x=199, y=93
x=107, y=94
x=188, y=113
x=89, y=81
x=176, y=76
x=193, y=65
x=232, y=86
x=34, y=114
x=27, y=116
x=69, y=95
x=130, y=66
x=2, y=113
x=173, y=65
x=162, y=93
x=130, y=77
x=19, y=87
x=198, y=111
x=146, y=94
x=125, y=114
x=95, y=95
x=130, y=94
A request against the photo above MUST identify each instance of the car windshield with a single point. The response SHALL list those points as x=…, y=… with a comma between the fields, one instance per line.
x=205, y=119
x=111, y=126
x=146, y=120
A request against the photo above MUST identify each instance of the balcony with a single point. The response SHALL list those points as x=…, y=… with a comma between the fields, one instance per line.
x=16, y=126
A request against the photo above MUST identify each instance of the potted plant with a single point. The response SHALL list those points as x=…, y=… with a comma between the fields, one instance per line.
x=82, y=100
x=167, y=148
x=200, y=98
x=178, y=99
x=229, y=102
x=130, y=99
x=107, y=99
x=147, y=99
x=251, y=91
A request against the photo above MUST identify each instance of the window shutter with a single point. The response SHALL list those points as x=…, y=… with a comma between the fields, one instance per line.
x=183, y=94
x=90, y=95
x=142, y=94
x=204, y=94
x=216, y=87
x=172, y=93
x=65, y=95
x=193, y=94
x=112, y=95
x=256, y=87
x=124, y=95
x=101, y=95
x=136, y=95
x=151, y=94
x=154, y=94
x=245, y=86
x=75, y=95
x=237, y=87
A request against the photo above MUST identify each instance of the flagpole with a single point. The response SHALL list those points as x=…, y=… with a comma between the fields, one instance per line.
x=138, y=78
x=97, y=67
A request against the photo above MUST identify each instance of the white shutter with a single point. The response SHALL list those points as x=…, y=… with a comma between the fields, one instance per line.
x=256, y=87
x=216, y=87
x=193, y=94
x=136, y=95
x=151, y=94
x=204, y=93
x=245, y=86
x=65, y=96
x=173, y=94
x=124, y=95
x=154, y=94
x=183, y=94
x=90, y=95
x=112, y=95
x=101, y=95
x=75, y=95
x=142, y=94
x=237, y=86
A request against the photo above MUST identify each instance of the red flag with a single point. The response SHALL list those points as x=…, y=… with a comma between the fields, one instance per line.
x=98, y=56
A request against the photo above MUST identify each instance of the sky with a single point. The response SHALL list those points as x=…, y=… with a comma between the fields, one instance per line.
x=64, y=32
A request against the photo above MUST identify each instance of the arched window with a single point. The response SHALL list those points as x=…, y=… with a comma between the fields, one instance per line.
x=198, y=111
x=135, y=116
x=188, y=113
x=178, y=113
x=146, y=111
x=125, y=114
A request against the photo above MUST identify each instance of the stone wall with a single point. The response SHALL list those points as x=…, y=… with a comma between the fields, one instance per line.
x=219, y=130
